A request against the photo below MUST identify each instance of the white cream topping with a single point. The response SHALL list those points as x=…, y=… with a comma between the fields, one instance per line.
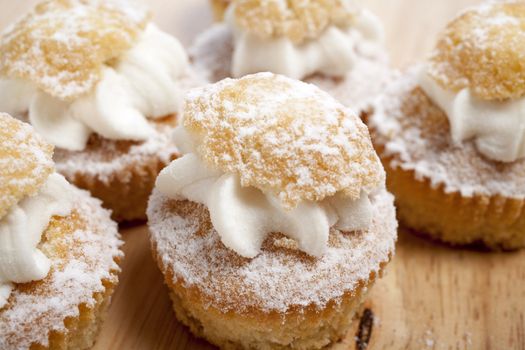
x=21, y=231
x=244, y=216
x=497, y=127
x=143, y=83
x=334, y=53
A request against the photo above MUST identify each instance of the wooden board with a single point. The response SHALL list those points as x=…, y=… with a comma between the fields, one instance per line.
x=432, y=297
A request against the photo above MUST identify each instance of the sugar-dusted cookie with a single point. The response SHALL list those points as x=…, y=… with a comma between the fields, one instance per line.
x=297, y=20
x=26, y=162
x=483, y=49
x=273, y=146
x=62, y=45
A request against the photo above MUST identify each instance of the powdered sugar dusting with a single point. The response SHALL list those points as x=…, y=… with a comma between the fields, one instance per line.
x=62, y=45
x=108, y=159
x=415, y=134
x=283, y=137
x=25, y=161
x=277, y=279
x=482, y=49
x=81, y=260
x=298, y=20
x=212, y=53
x=360, y=86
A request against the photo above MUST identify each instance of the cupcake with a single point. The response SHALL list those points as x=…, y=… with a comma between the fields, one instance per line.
x=58, y=249
x=334, y=44
x=103, y=84
x=275, y=222
x=451, y=132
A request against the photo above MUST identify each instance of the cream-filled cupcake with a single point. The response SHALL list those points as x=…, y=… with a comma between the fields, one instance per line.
x=451, y=132
x=334, y=44
x=103, y=84
x=58, y=249
x=272, y=226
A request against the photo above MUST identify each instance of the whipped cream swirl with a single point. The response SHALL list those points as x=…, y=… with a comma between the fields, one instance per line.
x=244, y=216
x=334, y=53
x=496, y=127
x=141, y=84
x=21, y=231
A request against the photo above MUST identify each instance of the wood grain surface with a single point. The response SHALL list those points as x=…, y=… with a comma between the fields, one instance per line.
x=432, y=296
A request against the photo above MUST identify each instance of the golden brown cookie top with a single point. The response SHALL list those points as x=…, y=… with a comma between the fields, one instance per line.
x=62, y=45
x=299, y=20
x=483, y=50
x=26, y=162
x=284, y=137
